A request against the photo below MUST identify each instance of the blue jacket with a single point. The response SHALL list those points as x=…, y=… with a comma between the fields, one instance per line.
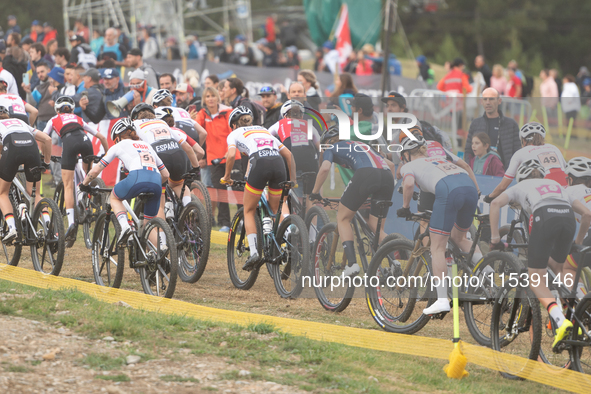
x=114, y=95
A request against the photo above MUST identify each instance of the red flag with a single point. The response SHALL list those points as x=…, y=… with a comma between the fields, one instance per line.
x=343, y=34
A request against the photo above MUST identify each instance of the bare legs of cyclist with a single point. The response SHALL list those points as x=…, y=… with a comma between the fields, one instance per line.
x=68, y=181
x=6, y=208
x=344, y=217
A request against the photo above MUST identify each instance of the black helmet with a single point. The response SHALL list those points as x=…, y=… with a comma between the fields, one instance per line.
x=237, y=113
x=333, y=131
x=139, y=108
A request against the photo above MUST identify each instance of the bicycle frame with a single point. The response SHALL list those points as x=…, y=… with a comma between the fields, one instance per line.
x=21, y=193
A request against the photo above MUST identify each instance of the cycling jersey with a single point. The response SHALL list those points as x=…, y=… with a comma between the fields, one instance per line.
x=66, y=123
x=9, y=126
x=532, y=194
x=427, y=172
x=581, y=193
x=254, y=139
x=549, y=156
x=19, y=147
x=158, y=134
x=293, y=133
x=71, y=129
x=135, y=155
x=15, y=105
x=353, y=155
x=183, y=121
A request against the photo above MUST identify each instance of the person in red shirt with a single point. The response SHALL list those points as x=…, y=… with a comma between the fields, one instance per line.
x=455, y=80
x=514, y=85
x=50, y=33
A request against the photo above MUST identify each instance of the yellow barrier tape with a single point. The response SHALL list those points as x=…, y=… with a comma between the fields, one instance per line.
x=363, y=338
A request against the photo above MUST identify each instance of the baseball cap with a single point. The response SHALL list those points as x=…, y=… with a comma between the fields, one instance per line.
x=11, y=17
x=240, y=37
x=328, y=45
x=267, y=89
x=57, y=74
x=137, y=74
x=92, y=73
x=47, y=24
x=395, y=96
x=135, y=52
x=183, y=88
x=362, y=101
x=110, y=73
x=35, y=23
x=76, y=37
x=220, y=37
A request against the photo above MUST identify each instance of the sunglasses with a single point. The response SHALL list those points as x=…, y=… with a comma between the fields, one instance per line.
x=267, y=89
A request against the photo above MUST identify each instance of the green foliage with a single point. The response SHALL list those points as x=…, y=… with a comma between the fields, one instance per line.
x=114, y=378
x=448, y=51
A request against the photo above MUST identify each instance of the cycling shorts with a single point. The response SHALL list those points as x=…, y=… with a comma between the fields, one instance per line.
x=455, y=203
x=19, y=148
x=575, y=259
x=141, y=181
x=75, y=143
x=377, y=182
x=426, y=201
x=306, y=160
x=175, y=162
x=266, y=169
x=553, y=229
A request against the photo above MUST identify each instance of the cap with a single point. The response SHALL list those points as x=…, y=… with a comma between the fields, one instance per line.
x=267, y=89
x=240, y=37
x=110, y=73
x=292, y=48
x=362, y=101
x=11, y=17
x=47, y=24
x=395, y=96
x=183, y=88
x=35, y=23
x=137, y=74
x=57, y=74
x=93, y=73
x=220, y=37
x=328, y=45
x=421, y=59
x=135, y=52
x=76, y=37
x=190, y=37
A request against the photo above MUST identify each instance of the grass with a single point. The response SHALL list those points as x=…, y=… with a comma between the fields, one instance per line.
x=281, y=358
x=17, y=369
x=114, y=378
x=176, y=378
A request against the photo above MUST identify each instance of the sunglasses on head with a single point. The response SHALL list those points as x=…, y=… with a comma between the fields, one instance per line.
x=267, y=89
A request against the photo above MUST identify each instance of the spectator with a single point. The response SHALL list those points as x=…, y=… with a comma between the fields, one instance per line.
x=13, y=66
x=244, y=51
x=49, y=33
x=270, y=28
x=150, y=46
x=36, y=31
x=363, y=106
x=586, y=94
x=70, y=79
x=269, y=50
x=142, y=92
x=498, y=80
x=237, y=95
x=514, y=86
x=518, y=72
x=51, y=48
x=273, y=108
x=582, y=75
x=97, y=42
x=135, y=60
x=81, y=31
x=426, y=73
x=93, y=109
x=455, y=80
x=36, y=53
x=122, y=38
x=292, y=59
x=168, y=82
x=62, y=57
x=485, y=161
x=185, y=97
x=319, y=60
x=229, y=56
x=394, y=65
x=13, y=40
x=308, y=79
x=288, y=34
x=484, y=69
x=26, y=45
x=81, y=53
x=570, y=98
x=503, y=132
x=193, y=46
x=42, y=95
x=172, y=49
x=330, y=57
x=6, y=75
x=549, y=92
x=211, y=80
x=344, y=88
x=13, y=27
x=192, y=78
x=112, y=46
x=554, y=74
x=219, y=48
x=114, y=89
x=350, y=64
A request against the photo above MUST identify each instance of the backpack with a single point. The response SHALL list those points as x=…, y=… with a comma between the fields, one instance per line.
x=257, y=109
x=429, y=132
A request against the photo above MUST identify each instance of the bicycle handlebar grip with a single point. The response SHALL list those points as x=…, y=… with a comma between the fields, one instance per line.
x=216, y=161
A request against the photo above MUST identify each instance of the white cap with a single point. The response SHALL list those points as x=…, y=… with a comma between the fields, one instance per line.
x=137, y=74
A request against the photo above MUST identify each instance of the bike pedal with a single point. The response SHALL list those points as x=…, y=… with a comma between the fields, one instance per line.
x=139, y=264
x=439, y=316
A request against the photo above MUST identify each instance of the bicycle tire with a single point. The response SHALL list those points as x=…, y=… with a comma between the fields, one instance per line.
x=338, y=301
x=11, y=254
x=200, y=190
x=58, y=197
x=478, y=315
x=391, y=237
x=287, y=275
x=581, y=355
x=194, y=242
x=314, y=227
x=101, y=266
x=238, y=234
x=53, y=242
x=528, y=327
x=95, y=206
x=518, y=239
x=164, y=263
x=409, y=319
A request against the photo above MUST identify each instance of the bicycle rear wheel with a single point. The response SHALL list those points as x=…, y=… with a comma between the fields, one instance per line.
x=581, y=355
x=192, y=242
x=11, y=254
x=48, y=253
x=200, y=190
x=516, y=329
x=94, y=206
x=107, y=270
x=158, y=276
x=396, y=301
x=293, y=242
x=478, y=314
x=316, y=218
x=238, y=251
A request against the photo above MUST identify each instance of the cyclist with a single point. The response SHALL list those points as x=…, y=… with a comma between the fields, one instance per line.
x=167, y=114
x=372, y=176
x=17, y=140
x=265, y=167
x=182, y=119
x=533, y=144
x=455, y=202
x=579, y=180
x=17, y=108
x=71, y=128
x=552, y=229
x=146, y=173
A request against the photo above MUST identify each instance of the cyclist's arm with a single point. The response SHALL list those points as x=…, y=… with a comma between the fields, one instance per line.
x=408, y=190
x=93, y=173
x=33, y=112
x=192, y=156
x=585, y=213
x=164, y=174
x=230, y=158
x=286, y=154
x=201, y=132
x=495, y=213
x=98, y=135
x=322, y=175
x=463, y=165
x=46, y=147
x=198, y=150
x=501, y=187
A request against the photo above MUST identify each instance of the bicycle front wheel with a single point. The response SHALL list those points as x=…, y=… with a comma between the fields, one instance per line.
x=48, y=252
x=108, y=260
x=238, y=251
x=11, y=253
x=94, y=205
x=192, y=242
x=316, y=218
x=581, y=355
x=294, y=254
x=159, y=273
x=200, y=190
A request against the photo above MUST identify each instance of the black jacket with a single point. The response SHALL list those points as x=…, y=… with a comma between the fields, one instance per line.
x=95, y=110
x=272, y=115
x=17, y=69
x=509, y=141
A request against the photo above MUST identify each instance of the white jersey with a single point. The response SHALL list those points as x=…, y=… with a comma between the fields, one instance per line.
x=9, y=78
x=532, y=194
x=135, y=155
x=581, y=193
x=180, y=115
x=427, y=171
x=156, y=131
x=9, y=126
x=253, y=139
x=15, y=105
x=549, y=155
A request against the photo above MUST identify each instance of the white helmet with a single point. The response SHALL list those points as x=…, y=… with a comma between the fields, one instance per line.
x=408, y=144
x=527, y=167
x=579, y=167
x=162, y=112
x=531, y=128
x=161, y=95
x=120, y=126
x=289, y=104
x=237, y=113
x=62, y=102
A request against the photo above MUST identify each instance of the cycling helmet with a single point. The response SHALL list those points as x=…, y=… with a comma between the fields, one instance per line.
x=288, y=105
x=415, y=130
x=139, y=108
x=237, y=113
x=527, y=167
x=161, y=95
x=63, y=102
x=531, y=128
x=408, y=144
x=579, y=167
x=162, y=112
x=120, y=126
x=4, y=110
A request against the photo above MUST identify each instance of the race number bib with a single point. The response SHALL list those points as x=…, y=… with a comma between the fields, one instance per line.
x=448, y=168
x=298, y=138
x=161, y=133
x=10, y=123
x=18, y=109
x=147, y=160
x=549, y=160
x=264, y=143
x=69, y=119
x=549, y=191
